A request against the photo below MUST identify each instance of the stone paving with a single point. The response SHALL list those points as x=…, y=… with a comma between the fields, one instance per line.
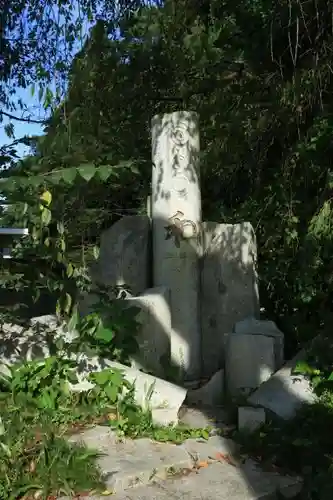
x=200, y=470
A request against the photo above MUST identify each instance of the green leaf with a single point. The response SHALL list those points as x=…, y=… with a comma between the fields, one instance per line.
x=60, y=227
x=9, y=130
x=70, y=270
x=59, y=257
x=96, y=252
x=112, y=391
x=46, y=197
x=46, y=216
x=74, y=320
x=48, y=98
x=24, y=209
x=116, y=377
x=2, y=427
x=105, y=334
x=316, y=381
x=32, y=90
x=302, y=367
x=101, y=378
x=104, y=172
x=205, y=434
x=132, y=312
x=62, y=244
x=68, y=303
x=69, y=175
x=55, y=177
x=6, y=449
x=87, y=172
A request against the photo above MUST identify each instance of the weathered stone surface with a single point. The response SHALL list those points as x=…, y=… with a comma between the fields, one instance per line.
x=210, y=394
x=249, y=419
x=34, y=341
x=164, y=416
x=143, y=470
x=229, y=290
x=198, y=418
x=149, y=492
x=201, y=450
x=254, y=326
x=128, y=463
x=223, y=481
x=250, y=361
x=124, y=254
x=176, y=205
x=154, y=337
x=284, y=393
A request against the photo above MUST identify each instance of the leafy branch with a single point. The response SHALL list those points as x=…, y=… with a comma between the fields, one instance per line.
x=67, y=175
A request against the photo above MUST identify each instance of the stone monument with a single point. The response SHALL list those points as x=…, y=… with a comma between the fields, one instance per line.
x=204, y=272
x=176, y=228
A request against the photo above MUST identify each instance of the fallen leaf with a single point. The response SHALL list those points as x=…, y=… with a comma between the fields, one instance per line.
x=202, y=464
x=224, y=457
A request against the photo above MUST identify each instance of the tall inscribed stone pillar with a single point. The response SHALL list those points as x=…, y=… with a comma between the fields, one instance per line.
x=176, y=223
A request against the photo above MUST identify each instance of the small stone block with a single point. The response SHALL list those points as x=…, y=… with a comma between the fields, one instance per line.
x=250, y=361
x=249, y=419
x=210, y=394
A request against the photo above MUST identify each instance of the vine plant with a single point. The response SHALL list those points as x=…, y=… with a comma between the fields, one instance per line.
x=42, y=262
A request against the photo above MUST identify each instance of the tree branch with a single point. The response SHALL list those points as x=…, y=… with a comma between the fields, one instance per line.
x=27, y=120
x=23, y=140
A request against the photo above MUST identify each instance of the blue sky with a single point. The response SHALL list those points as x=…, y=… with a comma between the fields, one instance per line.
x=34, y=108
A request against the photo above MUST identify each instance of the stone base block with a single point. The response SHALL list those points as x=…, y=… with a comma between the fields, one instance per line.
x=250, y=361
x=249, y=419
x=254, y=326
x=229, y=289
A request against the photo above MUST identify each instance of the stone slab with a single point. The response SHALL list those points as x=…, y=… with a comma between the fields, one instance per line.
x=284, y=393
x=33, y=341
x=154, y=336
x=254, y=326
x=124, y=254
x=250, y=361
x=168, y=470
x=218, y=481
x=128, y=463
x=250, y=419
x=229, y=286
